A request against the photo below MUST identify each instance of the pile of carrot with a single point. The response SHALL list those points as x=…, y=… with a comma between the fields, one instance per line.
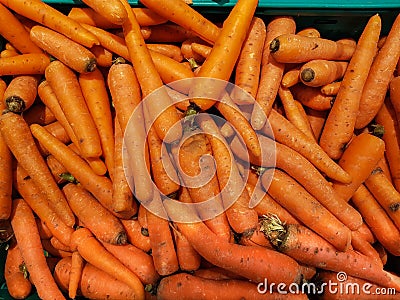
x=303, y=174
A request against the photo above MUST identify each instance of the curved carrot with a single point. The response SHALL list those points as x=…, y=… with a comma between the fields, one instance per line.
x=21, y=93
x=15, y=33
x=286, y=191
x=320, y=72
x=77, y=113
x=137, y=235
x=48, y=16
x=112, y=10
x=312, y=97
x=339, y=125
x=94, y=252
x=72, y=54
x=271, y=71
x=379, y=76
x=31, y=249
x=24, y=64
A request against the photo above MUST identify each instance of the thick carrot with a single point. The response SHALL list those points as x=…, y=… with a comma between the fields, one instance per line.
x=312, y=97
x=386, y=117
x=377, y=219
x=15, y=273
x=311, y=213
x=385, y=193
x=19, y=139
x=94, y=282
x=95, y=92
x=105, y=226
x=252, y=262
x=72, y=54
x=21, y=93
x=307, y=247
x=219, y=64
x=112, y=10
x=248, y=65
x=287, y=134
x=65, y=85
x=271, y=71
x=180, y=13
x=294, y=48
x=24, y=64
x=339, y=126
x=36, y=200
x=320, y=72
x=28, y=239
x=39, y=113
x=162, y=111
x=99, y=186
x=137, y=235
x=359, y=159
x=136, y=260
x=15, y=33
x=187, y=286
x=95, y=253
x=379, y=76
x=48, y=16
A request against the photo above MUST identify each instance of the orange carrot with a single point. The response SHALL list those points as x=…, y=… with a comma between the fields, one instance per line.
x=72, y=54
x=201, y=49
x=112, y=10
x=362, y=246
x=168, y=33
x=105, y=226
x=394, y=95
x=94, y=253
x=57, y=169
x=309, y=31
x=39, y=113
x=24, y=64
x=331, y=89
x=312, y=97
x=311, y=213
x=8, y=53
x=359, y=159
x=170, y=50
x=75, y=274
x=291, y=77
x=15, y=33
x=180, y=13
x=48, y=16
x=317, y=120
x=103, y=56
x=22, y=219
x=189, y=54
x=76, y=112
x=379, y=76
x=137, y=235
x=320, y=72
x=21, y=93
x=271, y=71
x=339, y=125
x=15, y=273
x=294, y=48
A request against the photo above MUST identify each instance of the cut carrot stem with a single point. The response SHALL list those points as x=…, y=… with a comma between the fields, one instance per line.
x=320, y=72
x=21, y=93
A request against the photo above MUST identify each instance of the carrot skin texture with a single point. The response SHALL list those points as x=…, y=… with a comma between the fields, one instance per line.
x=23, y=64
x=32, y=251
x=340, y=123
x=21, y=93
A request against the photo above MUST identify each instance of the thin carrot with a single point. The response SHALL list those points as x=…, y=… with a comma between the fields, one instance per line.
x=36, y=200
x=94, y=252
x=57, y=169
x=72, y=54
x=168, y=33
x=96, y=96
x=75, y=274
x=164, y=114
x=137, y=235
x=331, y=89
x=49, y=248
x=287, y=134
x=377, y=219
x=19, y=139
x=112, y=10
x=394, y=96
x=362, y=246
x=379, y=76
x=304, y=245
x=24, y=64
x=8, y=53
x=103, y=56
x=170, y=50
x=57, y=244
x=66, y=90
x=180, y=13
x=312, y=97
x=219, y=64
x=48, y=16
x=15, y=33
x=320, y=72
x=339, y=126
x=248, y=66
x=358, y=160
x=105, y=226
x=271, y=71
x=99, y=186
x=309, y=31
x=311, y=213
x=294, y=48
x=189, y=54
x=21, y=93
x=15, y=273
x=87, y=15
x=44, y=231
x=188, y=258
x=317, y=120
x=31, y=249
x=291, y=77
